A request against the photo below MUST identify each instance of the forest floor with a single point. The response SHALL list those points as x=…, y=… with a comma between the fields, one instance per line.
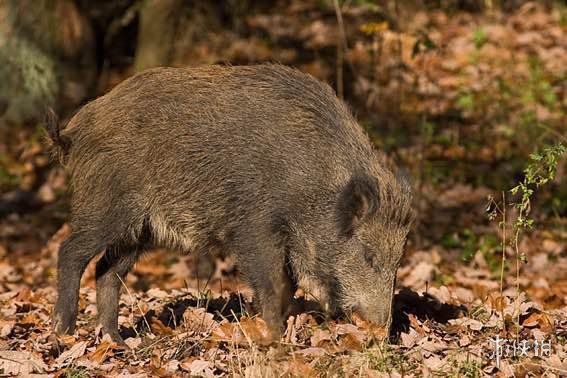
x=183, y=325
x=470, y=300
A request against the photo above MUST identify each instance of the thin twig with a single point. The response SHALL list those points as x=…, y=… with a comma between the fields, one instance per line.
x=503, y=243
x=341, y=45
x=137, y=305
x=503, y=258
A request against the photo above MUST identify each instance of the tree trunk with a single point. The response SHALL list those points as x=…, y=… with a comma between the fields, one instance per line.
x=46, y=57
x=156, y=33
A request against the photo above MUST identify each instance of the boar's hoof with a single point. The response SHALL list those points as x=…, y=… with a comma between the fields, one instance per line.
x=63, y=323
x=115, y=337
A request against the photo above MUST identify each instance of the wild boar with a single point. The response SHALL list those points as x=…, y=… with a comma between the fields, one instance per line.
x=263, y=162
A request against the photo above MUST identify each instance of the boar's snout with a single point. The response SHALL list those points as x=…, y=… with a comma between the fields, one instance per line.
x=377, y=307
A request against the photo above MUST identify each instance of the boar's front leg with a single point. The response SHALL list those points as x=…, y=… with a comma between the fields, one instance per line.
x=111, y=270
x=265, y=269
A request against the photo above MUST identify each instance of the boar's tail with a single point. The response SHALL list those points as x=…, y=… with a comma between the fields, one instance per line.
x=60, y=143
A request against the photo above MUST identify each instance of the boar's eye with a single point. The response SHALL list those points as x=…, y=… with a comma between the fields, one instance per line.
x=371, y=258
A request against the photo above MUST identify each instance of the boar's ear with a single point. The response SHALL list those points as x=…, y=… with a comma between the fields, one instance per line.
x=358, y=200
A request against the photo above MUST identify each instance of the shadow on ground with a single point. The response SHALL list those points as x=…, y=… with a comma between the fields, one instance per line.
x=423, y=307
x=406, y=302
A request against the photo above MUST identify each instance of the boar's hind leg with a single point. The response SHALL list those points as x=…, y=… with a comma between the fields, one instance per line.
x=74, y=255
x=111, y=270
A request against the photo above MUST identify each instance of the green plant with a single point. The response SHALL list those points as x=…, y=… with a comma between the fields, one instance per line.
x=423, y=44
x=467, y=368
x=465, y=100
x=465, y=241
x=7, y=178
x=76, y=372
x=540, y=88
x=488, y=246
x=441, y=279
x=479, y=38
x=562, y=9
x=382, y=357
x=540, y=169
x=468, y=244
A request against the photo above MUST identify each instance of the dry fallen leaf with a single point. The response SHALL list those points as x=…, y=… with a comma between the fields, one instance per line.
x=352, y=330
x=419, y=275
x=72, y=354
x=299, y=368
x=158, y=328
x=546, y=323
x=532, y=320
x=102, y=351
x=415, y=324
x=199, y=320
x=199, y=367
x=464, y=341
x=372, y=329
x=434, y=362
x=350, y=342
x=133, y=342
x=409, y=339
x=19, y=363
x=256, y=330
x=6, y=327
x=320, y=337
x=312, y=351
x=225, y=332
x=473, y=324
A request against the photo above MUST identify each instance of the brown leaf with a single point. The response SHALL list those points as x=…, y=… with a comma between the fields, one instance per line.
x=546, y=323
x=6, y=327
x=350, y=342
x=158, y=328
x=198, y=367
x=434, y=362
x=256, y=330
x=68, y=339
x=532, y=320
x=224, y=332
x=299, y=368
x=312, y=351
x=20, y=363
x=102, y=352
x=472, y=324
x=72, y=354
x=498, y=302
x=432, y=345
x=351, y=329
x=320, y=337
x=415, y=324
x=30, y=318
x=24, y=295
x=372, y=329
x=133, y=342
x=419, y=275
x=156, y=362
x=464, y=341
x=199, y=320
x=409, y=339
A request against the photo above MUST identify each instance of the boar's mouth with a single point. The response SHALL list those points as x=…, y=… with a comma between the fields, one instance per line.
x=376, y=307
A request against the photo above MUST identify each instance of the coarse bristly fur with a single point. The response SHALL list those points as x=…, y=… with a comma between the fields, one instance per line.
x=262, y=161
